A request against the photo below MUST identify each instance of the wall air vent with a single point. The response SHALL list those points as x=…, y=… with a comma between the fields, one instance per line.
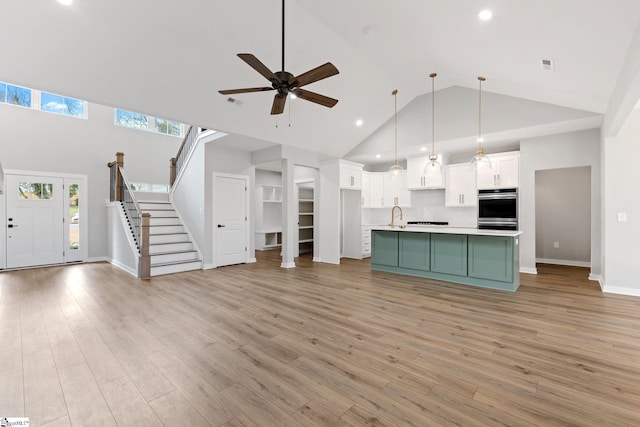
x=547, y=64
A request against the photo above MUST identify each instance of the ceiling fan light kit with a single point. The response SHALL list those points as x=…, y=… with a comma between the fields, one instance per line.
x=480, y=159
x=286, y=83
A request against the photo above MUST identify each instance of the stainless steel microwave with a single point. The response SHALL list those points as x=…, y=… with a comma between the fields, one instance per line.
x=498, y=209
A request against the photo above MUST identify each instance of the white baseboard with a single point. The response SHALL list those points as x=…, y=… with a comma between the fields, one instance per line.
x=288, y=265
x=251, y=260
x=527, y=270
x=597, y=278
x=123, y=267
x=563, y=262
x=97, y=259
x=209, y=266
x=621, y=291
x=316, y=259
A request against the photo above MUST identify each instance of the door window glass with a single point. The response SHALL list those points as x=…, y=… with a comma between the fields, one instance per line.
x=74, y=217
x=35, y=191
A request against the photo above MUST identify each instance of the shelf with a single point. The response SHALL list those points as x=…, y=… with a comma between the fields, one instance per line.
x=305, y=241
x=270, y=230
x=304, y=227
x=306, y=200
x=305, y=213
x=272, y=201
x=271, y=246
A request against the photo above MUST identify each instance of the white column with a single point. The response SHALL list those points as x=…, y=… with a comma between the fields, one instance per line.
x=289, y=220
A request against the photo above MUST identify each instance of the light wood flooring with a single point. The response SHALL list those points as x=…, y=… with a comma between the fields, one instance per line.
x=325, y=345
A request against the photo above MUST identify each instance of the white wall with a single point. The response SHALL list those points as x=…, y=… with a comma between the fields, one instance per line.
x=563, y=216
x=45, y=142
x=574, y=149
x=120, y=243
x=622, y=174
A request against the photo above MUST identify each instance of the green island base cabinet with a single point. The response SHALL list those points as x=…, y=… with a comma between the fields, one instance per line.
x=484, y=258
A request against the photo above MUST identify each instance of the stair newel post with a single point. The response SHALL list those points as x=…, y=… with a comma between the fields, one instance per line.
x=172, y=170
x=119, y=164
x=144, y=267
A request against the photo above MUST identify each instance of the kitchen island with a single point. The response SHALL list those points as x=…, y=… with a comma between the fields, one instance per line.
x=485, y=258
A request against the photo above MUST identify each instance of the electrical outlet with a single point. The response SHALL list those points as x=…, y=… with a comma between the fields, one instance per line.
x=622, y=217
x=556, y=245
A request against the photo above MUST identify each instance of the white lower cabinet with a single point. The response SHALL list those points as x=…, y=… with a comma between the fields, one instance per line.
x=461, y=190
x=366, y=242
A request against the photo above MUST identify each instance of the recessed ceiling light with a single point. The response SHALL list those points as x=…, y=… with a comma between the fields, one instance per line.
x=65, y=2
x=485, y=15
x=293, y=95
x=423, y=148
x=378, y=156
x=359, y=122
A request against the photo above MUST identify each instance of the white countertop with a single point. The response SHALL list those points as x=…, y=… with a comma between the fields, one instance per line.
x=445, y=229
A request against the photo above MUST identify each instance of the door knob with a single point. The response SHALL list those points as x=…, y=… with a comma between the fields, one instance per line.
x=220, y=225
x=11, y=226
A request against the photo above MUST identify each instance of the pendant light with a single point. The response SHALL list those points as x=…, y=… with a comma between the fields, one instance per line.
x=480, y=159
x=433, y=168
x=395, y=169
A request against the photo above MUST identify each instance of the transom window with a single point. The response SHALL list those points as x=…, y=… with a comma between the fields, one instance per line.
x=141, y=121
x=35, y=191
x=43, y=101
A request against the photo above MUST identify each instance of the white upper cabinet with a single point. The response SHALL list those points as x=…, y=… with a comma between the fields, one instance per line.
x=461, y=190
x=417, y=179
x=350, y=175
x=504, y=172
x=395, y=190
x=382, y=190
x=376, y=190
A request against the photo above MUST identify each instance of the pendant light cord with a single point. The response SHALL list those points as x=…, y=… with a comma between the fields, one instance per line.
x=395, y=115
x=480, y=79
x=282, y=36
x=433, y=114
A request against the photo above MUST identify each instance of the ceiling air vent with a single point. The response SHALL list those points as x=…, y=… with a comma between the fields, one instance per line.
x=547, y=64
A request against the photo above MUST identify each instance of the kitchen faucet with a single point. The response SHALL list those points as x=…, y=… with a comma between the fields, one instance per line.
x=393, y=216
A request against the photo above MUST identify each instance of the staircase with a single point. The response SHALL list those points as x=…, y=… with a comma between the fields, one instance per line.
x=170, y=246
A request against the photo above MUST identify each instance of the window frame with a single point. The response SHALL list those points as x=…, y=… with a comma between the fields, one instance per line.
x=151, y=124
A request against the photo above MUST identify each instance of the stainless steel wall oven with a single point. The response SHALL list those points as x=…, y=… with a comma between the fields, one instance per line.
x=498, y=209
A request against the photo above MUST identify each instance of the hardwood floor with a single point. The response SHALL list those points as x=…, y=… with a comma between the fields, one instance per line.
x=325, y=345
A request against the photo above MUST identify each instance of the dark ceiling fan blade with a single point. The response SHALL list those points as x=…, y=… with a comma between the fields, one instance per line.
x=259, y=66
x=249, y=89
x=278, y=104
x=315, y=97
x=318, y=73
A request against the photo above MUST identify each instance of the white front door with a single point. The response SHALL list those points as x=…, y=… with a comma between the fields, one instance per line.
x=35, y=229
x=230, y=213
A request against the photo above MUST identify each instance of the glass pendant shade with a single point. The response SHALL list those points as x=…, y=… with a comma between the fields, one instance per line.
x=480, y=160
x=395, y=169
x=433, y=169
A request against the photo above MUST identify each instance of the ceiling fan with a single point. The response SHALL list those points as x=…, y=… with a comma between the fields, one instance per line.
x=284, y=82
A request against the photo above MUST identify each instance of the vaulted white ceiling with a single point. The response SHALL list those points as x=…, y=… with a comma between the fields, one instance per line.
x=169, y=59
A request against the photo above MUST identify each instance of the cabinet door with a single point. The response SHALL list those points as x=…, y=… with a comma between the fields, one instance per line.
x=350, y=177
x=384, y=248
x=509, y=173
x=415, y=173
x=395, y=190
x=491, y=257
x=461, y=186
x=449, y=254
x=414, y=251
x=376, y=191
x=366, y=199
x=488, y=177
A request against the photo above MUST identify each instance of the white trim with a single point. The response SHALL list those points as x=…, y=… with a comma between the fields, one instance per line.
x=251, y=260
x=247, y=210
x=316, y=259
x=288, y=265
x=96, y=259
x=49, y=174
x=597, y=278
x=527, y=270
x=122, y=267
x=621, y=291
x=563, y=262
x=208, y=266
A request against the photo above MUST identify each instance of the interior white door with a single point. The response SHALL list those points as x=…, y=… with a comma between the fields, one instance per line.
x=230, y=195
x=34, y=223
